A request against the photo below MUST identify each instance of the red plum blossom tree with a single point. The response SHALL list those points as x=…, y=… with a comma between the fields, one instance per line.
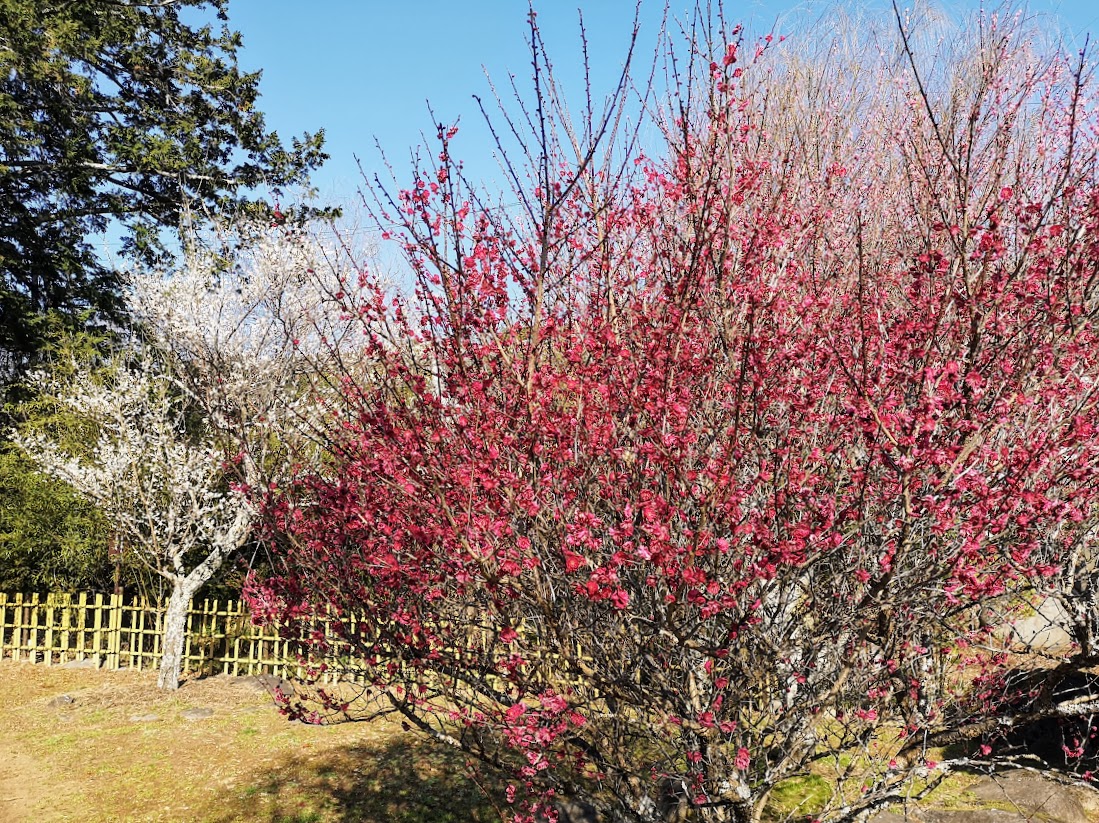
x=695, y=473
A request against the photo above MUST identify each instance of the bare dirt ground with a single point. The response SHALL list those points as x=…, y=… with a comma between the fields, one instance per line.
x=20, y=792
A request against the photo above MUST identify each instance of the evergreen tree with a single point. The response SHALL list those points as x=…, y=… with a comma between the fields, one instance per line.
x=121, y=111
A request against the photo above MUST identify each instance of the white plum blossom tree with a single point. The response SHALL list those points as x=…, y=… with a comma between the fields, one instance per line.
x=207, y=401
x=159, y=477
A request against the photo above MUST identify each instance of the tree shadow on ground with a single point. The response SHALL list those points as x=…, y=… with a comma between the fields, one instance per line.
x=1068, y=745
x=399, y=781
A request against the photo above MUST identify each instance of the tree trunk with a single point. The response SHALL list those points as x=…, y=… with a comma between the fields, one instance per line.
x=175, y=634
x=183, y=589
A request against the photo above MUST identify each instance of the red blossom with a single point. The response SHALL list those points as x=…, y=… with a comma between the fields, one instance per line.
x=743, y=759
x=744, y=435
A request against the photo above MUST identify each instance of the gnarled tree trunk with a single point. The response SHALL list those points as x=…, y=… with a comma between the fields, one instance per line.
x=175, y=634
x=183, y=589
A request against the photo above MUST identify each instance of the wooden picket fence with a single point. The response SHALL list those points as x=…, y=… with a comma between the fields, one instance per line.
x=58, y=628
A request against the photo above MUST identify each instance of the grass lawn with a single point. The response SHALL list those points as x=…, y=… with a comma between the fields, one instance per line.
x=121, y=751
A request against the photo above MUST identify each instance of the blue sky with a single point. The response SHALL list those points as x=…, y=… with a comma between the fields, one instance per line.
x=365, y=69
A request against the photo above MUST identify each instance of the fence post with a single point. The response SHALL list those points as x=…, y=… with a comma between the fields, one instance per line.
x=81, y=618
x=189, y=664
x=3, y=623
x=158, y=634
x=47, y=654
x=236, y=609
x=209, y=654
x=32, y=645
x=114, y=631
x=137, y=632
x=97, y=627
x=207, y=630
x=17, y=627
x=65, y=613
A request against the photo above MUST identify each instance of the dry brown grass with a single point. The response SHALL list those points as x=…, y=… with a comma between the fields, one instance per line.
x=123, y=752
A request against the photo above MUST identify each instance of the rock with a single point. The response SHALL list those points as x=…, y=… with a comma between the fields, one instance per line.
x=1089, y=799
x=246, y=682
x=196, y=714
x=571, y=811
x=973, y=816
x=83, y=663
x=1008, y=797
x=894, y=817
x=1046, y=630
x=61, y=700
x=144, y=718
x=268, y=683
x=1031, y=794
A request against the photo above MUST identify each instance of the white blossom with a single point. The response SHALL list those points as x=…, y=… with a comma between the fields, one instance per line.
x=214, y=397
x=157, y=475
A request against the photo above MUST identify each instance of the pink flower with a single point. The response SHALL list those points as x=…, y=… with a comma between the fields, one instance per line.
x=516, y=711
x=743, y=759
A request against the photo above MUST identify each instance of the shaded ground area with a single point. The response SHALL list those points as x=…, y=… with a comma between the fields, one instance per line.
x=389, y=782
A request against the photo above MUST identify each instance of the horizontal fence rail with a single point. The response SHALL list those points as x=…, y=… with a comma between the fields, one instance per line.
x=118, y=633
